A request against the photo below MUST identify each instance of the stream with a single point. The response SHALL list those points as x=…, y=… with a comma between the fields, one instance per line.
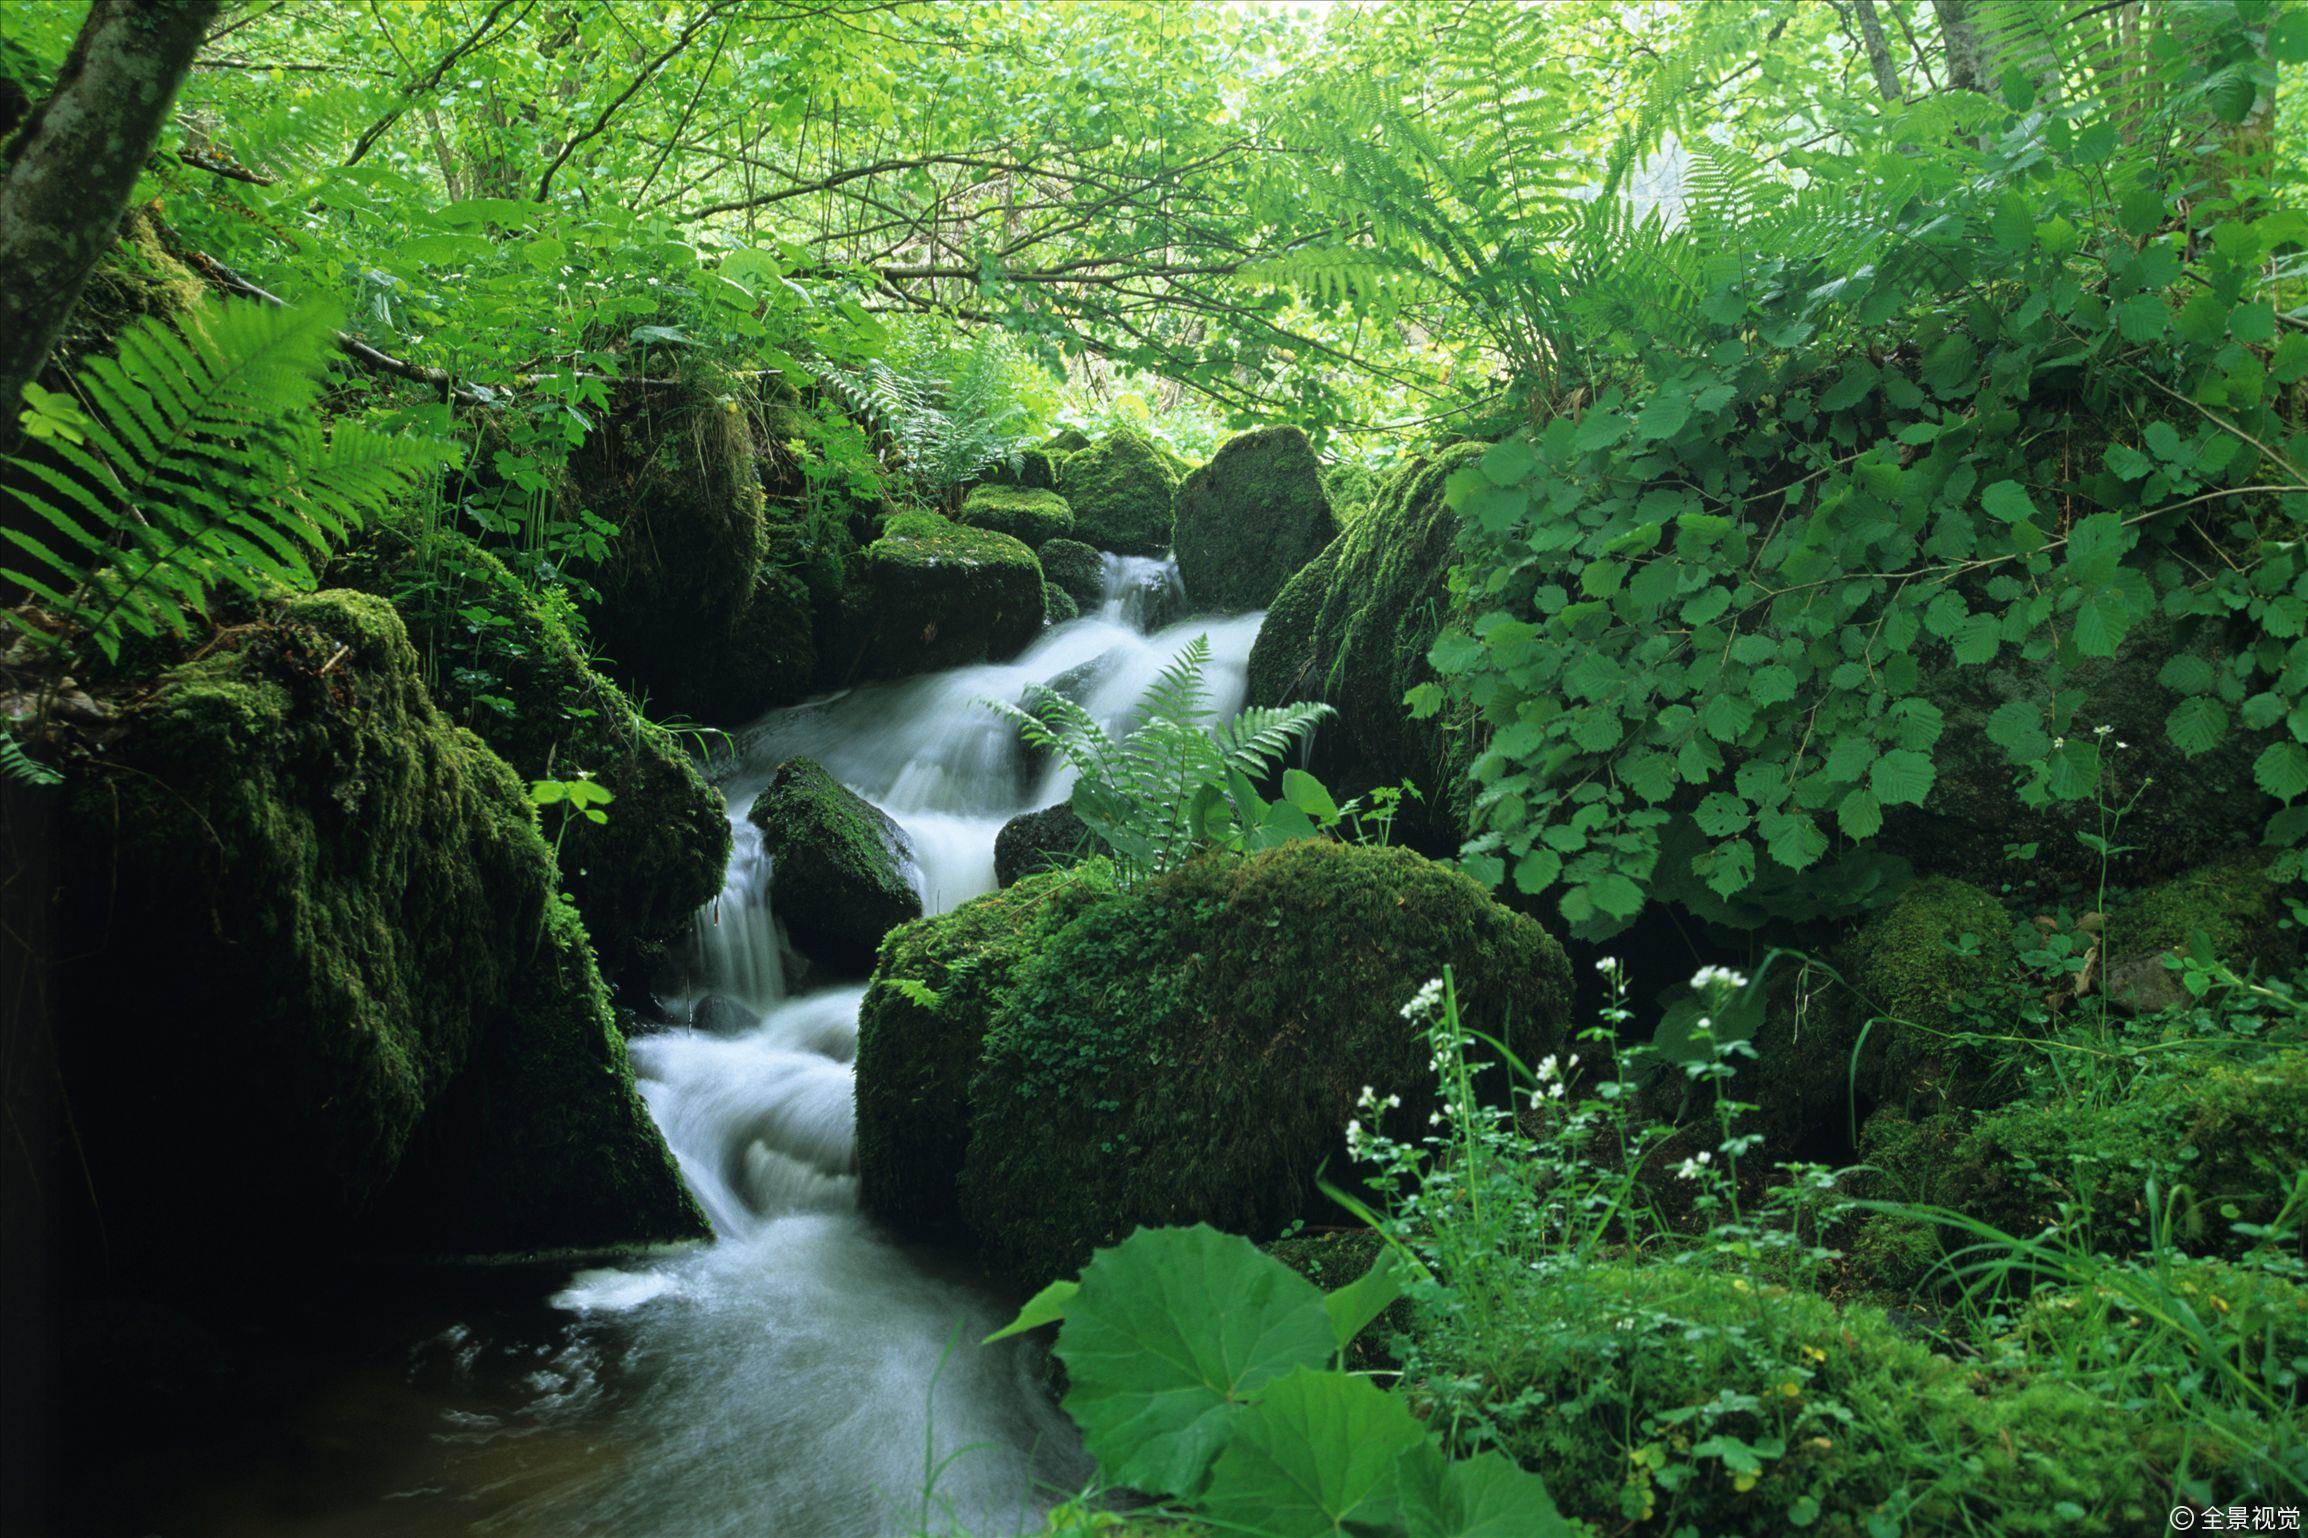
x=805, y=1375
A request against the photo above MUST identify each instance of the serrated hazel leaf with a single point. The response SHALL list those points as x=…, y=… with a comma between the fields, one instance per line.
x=1901, y=777
x=2197, y=724
x=2282, y=770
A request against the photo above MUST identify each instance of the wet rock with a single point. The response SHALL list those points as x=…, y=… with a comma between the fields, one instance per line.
x=1040, y=841
x=1249, y=519
x=938, y=594
x=840, y=868
x=1077, y=569
x=1058, y=605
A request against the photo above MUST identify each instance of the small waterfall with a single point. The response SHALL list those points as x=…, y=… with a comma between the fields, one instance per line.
x=796, y=1356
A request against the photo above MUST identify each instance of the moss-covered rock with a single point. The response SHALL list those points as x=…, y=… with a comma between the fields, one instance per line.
x=839, y=874
x=1340, y=1257
x=2219, y=1138
x=312, y=907
x=1354, y=629
x=1880, y=1024
x=541, y=1144
x=768, y=655
x=510, y=666
x=1634, y=1390
x=1249, y=519
x=1036, y=468
x=673, y=467
x=1192, y=1051
x=2241, y=917
x=2197, y=810
x=938, y=986
x=1078, y=569
x=1064, y=443
x=1122, y=494
x=1039, y=841
x=939, y=594
x=1032, y=517
x=1058, y=605
x=1350, y=487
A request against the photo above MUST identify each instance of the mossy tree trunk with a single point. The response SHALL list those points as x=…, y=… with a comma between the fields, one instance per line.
x=71, y=170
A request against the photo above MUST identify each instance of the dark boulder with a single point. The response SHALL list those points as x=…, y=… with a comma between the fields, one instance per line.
x=1040, y=841
x=839, y=867
x=1077, y=569
x=1122, y=493
x=1249, y=519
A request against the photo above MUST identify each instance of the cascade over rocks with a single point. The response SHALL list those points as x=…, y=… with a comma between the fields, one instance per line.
x=839, y=865
x=524, y=684
x=1353, y=629
x=1122, y=492
x=935, y=594
x=1249, y=519
x=1191, y=1051
x=309, y=917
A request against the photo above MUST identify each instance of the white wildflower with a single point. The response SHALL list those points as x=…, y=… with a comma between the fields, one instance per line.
x=1424, y=1002
x=1718, y=977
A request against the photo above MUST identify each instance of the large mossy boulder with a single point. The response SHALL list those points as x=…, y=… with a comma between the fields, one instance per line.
x=1122, y=493
x=1192, y=1051
x=307, y=913
x=2194, y=811
x=1249, y=519
x=1353, y=629
x=1038, y=841
x=673, y=467
x=937, y=988
x=1076, y=569
x=2232, y=909
x=840, y=868
x=938, y=594
x=1032, y=517
x=512, y=669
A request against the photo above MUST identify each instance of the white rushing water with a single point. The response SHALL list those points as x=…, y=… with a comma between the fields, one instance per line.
x=806, y=1370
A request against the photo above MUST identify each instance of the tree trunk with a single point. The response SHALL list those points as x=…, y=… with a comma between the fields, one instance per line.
x=74, y=165
x=1878, y=51
x=1966, y=55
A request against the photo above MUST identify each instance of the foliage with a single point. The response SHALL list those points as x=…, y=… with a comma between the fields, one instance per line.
x=1176, y=783
x=1714, y=590
x=952, y=412
x=196, y=465
x=1199, y=1369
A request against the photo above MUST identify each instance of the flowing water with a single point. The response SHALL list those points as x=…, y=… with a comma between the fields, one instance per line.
x=804, y=1375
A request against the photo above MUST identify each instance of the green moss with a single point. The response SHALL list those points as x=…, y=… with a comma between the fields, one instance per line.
x=511, y=668
x=1030, y=516
x=1336, y=1258
x=1192, y=1051
x=1066, y=441
x=838, y=872
x=1121, y=492
x=1249, y=519
x=1058, y=605
x=939, y=594
x=915, y=1057
x=675, y=469
x=768, y=655
x=1356, y=634
x=1350, y=487
x=1077, y=569
x=1633, y=1390
x=319, y=903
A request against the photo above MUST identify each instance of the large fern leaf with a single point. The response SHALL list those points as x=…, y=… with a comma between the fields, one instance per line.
x=197, y=465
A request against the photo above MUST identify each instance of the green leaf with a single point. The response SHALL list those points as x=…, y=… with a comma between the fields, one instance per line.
x=1355, y=1305
x=1309, y=795
x=2282, y=770
x=1317, y=1452
x=1721, y=814
x=1508, y=462
x=2187, y=673
x=1485, y=1496
x=1977, y=639
x=2018, y=728
x=1158, y=1374
x=1793, y=839
x=1536, y=871
x=1859, y=814
x=2008, y=501
x=2197, y=724
x=1045, y=1307
x=1901, y=777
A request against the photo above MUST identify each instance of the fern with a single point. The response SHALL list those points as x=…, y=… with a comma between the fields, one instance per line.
x=1149, y=795
x=951, y=413
x=18, y=765
x=197, y=465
